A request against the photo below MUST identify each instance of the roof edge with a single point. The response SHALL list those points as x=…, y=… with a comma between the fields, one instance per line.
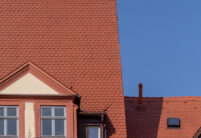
x=176, y=98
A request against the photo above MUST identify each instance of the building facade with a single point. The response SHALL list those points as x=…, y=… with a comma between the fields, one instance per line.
x=60, y=70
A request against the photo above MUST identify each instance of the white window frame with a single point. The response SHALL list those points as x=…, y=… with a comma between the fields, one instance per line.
x=94, y=126
x=53, y=118
x=5, y=118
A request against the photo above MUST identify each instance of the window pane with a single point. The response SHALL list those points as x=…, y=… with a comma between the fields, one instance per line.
x=59, y=127
x=94, y=132
x=46, y=127
x=173, y=121
x=11, y=112
x=1, y=112
x=11, y=127
x=46, y=112
x=1, y=126
x=59, y=111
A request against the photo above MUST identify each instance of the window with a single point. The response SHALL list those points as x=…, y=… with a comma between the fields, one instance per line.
x=93, y=132
x=53, y=121
x=173, y=122
x=9, y=121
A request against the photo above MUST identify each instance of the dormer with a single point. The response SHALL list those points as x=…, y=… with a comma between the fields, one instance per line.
x=36, y=104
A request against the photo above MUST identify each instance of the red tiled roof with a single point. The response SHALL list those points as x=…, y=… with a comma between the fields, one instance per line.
x=152, y=120
x=74, y=41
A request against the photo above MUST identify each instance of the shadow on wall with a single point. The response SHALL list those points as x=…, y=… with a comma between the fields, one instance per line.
x=143, y=122
x=110, y=130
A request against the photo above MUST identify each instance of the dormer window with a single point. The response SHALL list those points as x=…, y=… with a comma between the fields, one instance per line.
x=35, y=105
x=173, y=122
x=94, y=132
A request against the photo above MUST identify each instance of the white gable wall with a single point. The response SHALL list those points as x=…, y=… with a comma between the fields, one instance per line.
x=29, y=85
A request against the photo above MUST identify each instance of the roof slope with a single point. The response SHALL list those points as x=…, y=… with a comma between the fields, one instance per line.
x=152, y=121
x=75, y=42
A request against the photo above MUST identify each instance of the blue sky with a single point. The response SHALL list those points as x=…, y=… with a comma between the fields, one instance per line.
x=160, y=44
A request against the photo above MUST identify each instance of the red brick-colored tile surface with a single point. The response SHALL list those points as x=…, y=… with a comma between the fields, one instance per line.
x=152, y=120
x=74, y=41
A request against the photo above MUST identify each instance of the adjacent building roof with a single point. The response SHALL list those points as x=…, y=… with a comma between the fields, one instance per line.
x=151, y=121
x=73, y=41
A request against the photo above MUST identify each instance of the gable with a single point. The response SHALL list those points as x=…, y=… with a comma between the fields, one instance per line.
x=31, y=80
x=28, y=84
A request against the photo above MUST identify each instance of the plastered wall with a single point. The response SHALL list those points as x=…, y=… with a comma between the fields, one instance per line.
x=29, y=120
x=28, y=84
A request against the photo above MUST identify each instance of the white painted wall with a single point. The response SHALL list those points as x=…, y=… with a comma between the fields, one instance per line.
x=29, y=120
x=29, y=85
